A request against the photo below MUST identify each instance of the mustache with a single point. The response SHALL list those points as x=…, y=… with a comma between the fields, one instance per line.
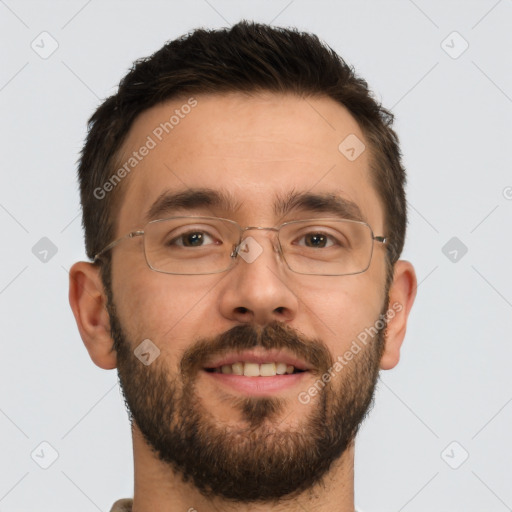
x=274, y=335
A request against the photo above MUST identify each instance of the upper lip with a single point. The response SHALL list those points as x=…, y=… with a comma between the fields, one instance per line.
x=259, y=357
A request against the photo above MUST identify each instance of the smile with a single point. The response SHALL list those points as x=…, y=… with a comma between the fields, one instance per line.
x=249, y=369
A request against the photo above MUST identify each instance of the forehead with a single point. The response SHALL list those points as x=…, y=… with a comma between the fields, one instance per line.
x=258, y=151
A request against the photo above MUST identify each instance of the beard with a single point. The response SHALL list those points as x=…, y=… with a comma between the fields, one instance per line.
x=259, y=459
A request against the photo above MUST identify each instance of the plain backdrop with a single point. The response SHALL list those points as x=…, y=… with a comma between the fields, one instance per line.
x=438, y=437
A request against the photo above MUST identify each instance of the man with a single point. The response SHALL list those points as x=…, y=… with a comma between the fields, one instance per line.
x=243, y=205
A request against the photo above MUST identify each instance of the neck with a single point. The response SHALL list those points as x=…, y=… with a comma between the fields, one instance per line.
x=158, y=488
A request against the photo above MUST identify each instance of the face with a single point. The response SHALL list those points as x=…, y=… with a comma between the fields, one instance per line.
x=242, y=437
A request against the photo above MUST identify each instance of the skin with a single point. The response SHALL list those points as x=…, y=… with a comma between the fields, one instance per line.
x=253, y=147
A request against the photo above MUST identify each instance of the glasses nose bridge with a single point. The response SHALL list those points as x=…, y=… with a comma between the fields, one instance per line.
x=247, y=228
x=277, y=247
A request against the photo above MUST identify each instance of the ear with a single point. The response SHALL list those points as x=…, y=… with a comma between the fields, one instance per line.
x=89, y=304
x=401, y=298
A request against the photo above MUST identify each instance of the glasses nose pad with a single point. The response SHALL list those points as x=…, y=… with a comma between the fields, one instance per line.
x=276, y=246
x=237, y=248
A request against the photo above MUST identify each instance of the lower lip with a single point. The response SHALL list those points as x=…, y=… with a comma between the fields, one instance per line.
x=257, y=386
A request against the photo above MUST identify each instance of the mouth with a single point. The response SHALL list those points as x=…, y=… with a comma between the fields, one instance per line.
x=249, y=369
x=257, y=373
x=257, y=363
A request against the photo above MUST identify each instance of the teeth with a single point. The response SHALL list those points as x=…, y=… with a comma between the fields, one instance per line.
x=255, y=369
x=267, y=369
x=251, y=370
x=281, y=368
x=238, y=368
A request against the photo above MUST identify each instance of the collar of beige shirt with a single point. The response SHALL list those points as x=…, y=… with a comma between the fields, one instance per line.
x=125, y=505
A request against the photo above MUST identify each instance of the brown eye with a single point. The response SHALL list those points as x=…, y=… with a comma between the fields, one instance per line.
x=316, y=240
x=192, y=239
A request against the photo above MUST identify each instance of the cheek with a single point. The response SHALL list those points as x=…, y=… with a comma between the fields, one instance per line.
x=342, y=308
x=164, y=308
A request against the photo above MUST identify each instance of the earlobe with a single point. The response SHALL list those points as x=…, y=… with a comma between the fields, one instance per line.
x=401, y=298
x=88, y=302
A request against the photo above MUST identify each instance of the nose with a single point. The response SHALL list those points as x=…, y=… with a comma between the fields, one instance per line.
x=257, y=289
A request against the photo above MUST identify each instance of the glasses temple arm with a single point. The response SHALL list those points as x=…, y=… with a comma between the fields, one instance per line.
x=111, y=245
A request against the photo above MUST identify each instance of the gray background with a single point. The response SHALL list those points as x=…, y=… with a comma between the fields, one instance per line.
x=453, y=110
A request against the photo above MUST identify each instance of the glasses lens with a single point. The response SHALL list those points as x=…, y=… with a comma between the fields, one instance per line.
x=190, y=245
x=327, y=247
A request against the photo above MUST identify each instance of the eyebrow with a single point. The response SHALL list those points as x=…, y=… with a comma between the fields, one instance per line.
x=171, y=202
x=320, y=202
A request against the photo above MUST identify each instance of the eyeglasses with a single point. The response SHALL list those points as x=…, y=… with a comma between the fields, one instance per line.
x=209, y=245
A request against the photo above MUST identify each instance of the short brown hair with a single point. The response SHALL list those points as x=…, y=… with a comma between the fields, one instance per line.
x=250, y=58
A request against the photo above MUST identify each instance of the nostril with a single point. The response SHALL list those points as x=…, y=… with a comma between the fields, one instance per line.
x=241, y=309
